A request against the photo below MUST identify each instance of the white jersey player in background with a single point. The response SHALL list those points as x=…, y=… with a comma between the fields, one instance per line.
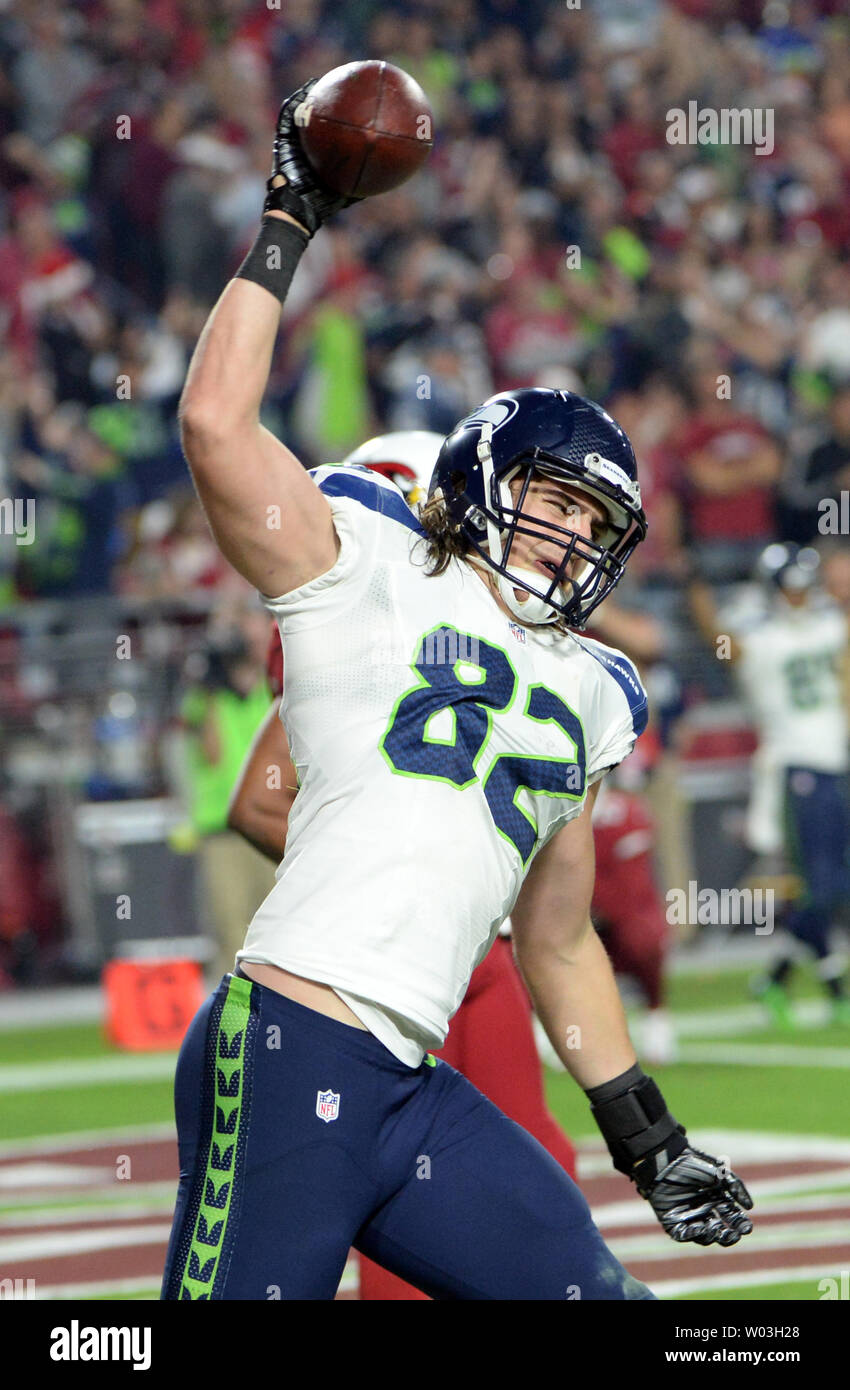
x=448, y=731
x=789, y=660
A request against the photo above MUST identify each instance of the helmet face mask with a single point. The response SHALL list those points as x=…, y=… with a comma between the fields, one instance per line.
x=481, y=504
x=789, y=570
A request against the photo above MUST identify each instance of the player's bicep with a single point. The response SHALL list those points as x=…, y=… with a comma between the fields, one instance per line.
x=552, y=913
x=270, y=520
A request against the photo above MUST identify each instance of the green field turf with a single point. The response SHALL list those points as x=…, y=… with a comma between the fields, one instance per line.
x=727, y=988
x=703, y=1095
x=92, y=1107
x=59, y=1110
x=62, y=1042
x=805, y=1290
x=784, y=1098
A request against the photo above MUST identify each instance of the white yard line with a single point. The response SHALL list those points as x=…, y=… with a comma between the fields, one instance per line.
x=765, y=1055
x=739, y=1145
x=50, y=1293
x=86, y=1138
x=799, y=1235
x=161, y=1194
x=53, y=1292
x=638, y=1212
x=53, y=1245
x=79, y=1215
x=743, y=1018
x=91, y=1071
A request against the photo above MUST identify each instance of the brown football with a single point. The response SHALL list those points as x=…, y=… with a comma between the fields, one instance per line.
x=365, y=128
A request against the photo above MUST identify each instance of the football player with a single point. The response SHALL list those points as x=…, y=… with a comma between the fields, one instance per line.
x=789, y=663
x=448, y=732
x=491, y=1038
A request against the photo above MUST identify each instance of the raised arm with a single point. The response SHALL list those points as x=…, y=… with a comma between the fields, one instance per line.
x=268, y=517
x=266, y=514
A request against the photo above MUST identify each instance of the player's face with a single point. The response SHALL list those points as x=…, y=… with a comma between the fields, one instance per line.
x=795, y=598
x=553, y=503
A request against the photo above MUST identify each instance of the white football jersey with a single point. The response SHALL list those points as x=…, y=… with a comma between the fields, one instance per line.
x=438, y=746
x=790, y=671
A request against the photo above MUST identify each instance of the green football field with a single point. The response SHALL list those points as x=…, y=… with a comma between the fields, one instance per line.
x=775, y=1101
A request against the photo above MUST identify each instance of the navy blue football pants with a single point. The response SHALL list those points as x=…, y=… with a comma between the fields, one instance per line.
x=816, y=822
x=301, y=1136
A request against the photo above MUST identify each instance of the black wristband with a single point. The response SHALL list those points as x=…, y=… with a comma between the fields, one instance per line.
x=273, y=259
x=597, y=1095
x=635, y=1122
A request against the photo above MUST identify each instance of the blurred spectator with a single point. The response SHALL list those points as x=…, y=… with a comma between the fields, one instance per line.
x=221, y=712
x=79, y=490
x=553, y=231
x=553, y=237
x=825, y=474
x=38, y=273
x=727, y=469
x=172, y=552
x=51, y=71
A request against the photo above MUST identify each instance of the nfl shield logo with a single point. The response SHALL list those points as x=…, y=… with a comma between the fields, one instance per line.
x=518, y=632
x=327, y=1105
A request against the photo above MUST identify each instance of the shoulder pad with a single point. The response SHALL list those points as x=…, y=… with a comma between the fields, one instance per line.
x=368, y=488
x=621, y=670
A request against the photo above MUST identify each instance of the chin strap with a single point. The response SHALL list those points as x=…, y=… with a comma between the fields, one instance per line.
x=534, y=610
x=531, y=610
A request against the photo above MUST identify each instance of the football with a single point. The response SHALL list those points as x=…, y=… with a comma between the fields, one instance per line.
x=365, y=128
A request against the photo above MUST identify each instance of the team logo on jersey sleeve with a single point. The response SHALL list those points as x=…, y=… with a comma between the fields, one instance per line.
x=327, y=1105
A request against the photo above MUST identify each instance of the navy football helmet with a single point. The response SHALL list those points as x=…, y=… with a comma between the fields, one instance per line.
x=787, y=566
x=562, y=436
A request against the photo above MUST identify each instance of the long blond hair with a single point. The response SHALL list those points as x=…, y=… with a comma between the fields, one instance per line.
x=444, y=540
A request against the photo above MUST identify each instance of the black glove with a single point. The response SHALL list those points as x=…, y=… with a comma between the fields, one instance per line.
x=302, y=196
x=695, y=1197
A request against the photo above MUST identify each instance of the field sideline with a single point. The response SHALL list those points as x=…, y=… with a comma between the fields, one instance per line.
x=88, y=1164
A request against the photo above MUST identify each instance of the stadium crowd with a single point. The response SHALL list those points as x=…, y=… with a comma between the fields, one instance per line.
x=555, y=237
